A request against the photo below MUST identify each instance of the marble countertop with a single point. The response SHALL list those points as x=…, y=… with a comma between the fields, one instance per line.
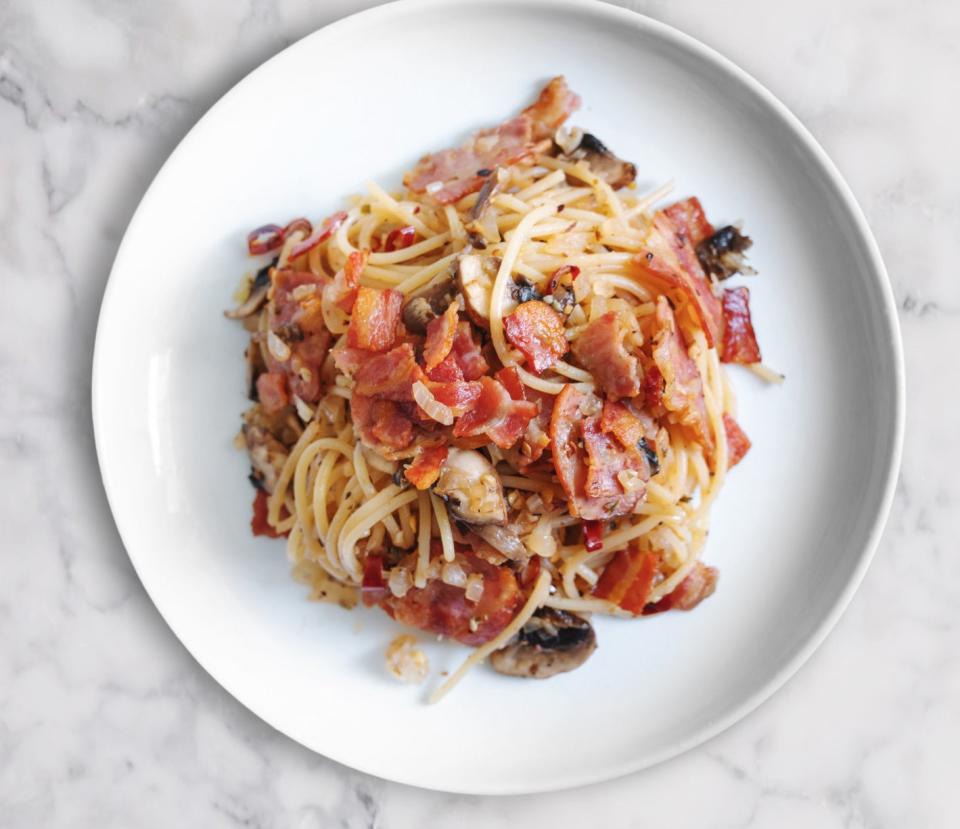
x=105, y=719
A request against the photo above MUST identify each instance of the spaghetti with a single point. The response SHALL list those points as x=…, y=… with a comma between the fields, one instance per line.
x=494, y=401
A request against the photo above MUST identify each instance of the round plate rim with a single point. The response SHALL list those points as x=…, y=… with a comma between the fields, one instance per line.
x=875, y=265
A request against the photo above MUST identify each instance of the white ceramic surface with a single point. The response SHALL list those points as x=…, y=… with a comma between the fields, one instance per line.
x=793, y=530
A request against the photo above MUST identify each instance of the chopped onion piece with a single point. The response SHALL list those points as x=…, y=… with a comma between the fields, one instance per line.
x=303, y=410
x=406, y=661
x=474, y=590
x=277, y=347
x=453, y=574
x=399, y=581
x=433, y=407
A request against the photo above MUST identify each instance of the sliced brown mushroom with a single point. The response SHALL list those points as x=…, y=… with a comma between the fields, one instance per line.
x=613, y=170
x=471, y=488
x=267, y=456
x=481, y=225
x=476, y=273
x=259, y=289
x=504, y=539
x=428, y=304
x=723, y=253
x=253, y=360
x=551, y=643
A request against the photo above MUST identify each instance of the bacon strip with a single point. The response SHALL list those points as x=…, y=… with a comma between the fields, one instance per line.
x=554, y=105
x=464, y=170
x=739, y=340
x=600, y=349
x=683, y=386
x=670, y=259
x=627, y=579
x=697, y=586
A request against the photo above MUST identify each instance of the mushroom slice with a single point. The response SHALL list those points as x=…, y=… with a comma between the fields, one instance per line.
x=614, y=171
x=428, y=304
x=481, y=226
x=475, y=277
x=723, y=253
x=471, y=488
x=552, y=642
x=253, y=360
x=504, y=540
x=267, y=456
x=259, y=289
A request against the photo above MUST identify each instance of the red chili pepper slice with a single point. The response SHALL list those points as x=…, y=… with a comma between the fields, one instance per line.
x=559, y=273
x=592, y=535
x=264, y=239
x=400, y=238
x=327, y=228
x=301, y=224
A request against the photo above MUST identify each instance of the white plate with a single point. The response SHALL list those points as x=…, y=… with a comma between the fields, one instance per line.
x=793, y=530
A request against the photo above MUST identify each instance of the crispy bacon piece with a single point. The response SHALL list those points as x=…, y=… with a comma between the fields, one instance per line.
x=600, y=349
x=258, y=523
x=698, y=585
x=425, y=469
x=619, y=421
x=554, y=105
x=348, y=360
x=381, y=424
x=589, y=474
x=690, y=220
x=613, y=473
x=466, y=352
x=538, y=331
x=441, y=333
x=739, y=339
x=389, y=376
x=465, y=169
x=460, y=396
x=342, y=291
x=443, y=609
x=400, y=238
x=446, y=371
x=627, y=579
x=496, y=414
x=738, y=444
x=457, y=169
x=272, y=391
x=296, y=299
x=373, y=323
x=682, y=384
x=652, y=388
x=303, y=375
x=671, y=260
